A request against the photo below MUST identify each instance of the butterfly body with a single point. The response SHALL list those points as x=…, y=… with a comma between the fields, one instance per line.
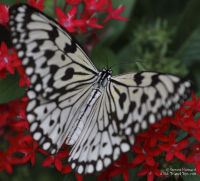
x=69, y=99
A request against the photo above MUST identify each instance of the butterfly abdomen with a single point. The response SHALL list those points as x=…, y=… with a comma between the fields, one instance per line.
x=83, y=116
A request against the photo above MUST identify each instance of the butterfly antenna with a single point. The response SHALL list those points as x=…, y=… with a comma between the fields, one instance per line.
x=101, y=47
x=127, y=63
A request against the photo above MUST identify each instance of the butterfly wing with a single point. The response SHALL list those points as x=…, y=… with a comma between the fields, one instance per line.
x=142, y=98
x=98, y=146
x=60, y=73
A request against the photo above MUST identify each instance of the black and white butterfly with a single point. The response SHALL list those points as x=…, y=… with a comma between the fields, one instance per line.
x=71, y=101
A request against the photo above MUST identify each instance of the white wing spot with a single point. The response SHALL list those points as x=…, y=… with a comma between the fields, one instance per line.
x=144, y=124
x=80, y=169
x=29, y=70
x=152, y=119
x=136, y=128
x=125, y=147
x=30, y=118
x=33, y=127
x=99, y=165
x=38, y=87
x=46, y=145
x=37, y=136
x=14, y=41
x=31, y=94
x=73, y=165
x=20, y=54
x=90, y=168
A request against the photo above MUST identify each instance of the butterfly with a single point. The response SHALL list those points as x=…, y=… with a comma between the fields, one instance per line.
x=71, y=102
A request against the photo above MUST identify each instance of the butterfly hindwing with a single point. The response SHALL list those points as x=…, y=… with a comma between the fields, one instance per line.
x=98, y=146
x=60, y=73
x=142, y=98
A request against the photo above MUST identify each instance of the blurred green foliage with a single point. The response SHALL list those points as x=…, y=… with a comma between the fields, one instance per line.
x=163, y=33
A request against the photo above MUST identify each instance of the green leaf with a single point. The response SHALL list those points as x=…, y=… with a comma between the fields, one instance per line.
x=141, y=68
x=188, y=24
x=115, y=28
x=181, y=135
x=9, y=88
x=70, y=177
x=191, y=52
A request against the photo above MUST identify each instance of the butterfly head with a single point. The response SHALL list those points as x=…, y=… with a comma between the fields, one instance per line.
x=107, y=71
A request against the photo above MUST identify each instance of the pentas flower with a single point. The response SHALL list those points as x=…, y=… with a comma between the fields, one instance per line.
x=3, y=14
x=73, y=2
x=173, y=148
x=68, y=20
x=22, y=123
x=24, y=80
x=195, y=158
x=145, y=153
x=181, y=118
x=122, y=166
x=195, y=104
x=114, y=13
x=150, y=171
x=30, y=152
x=56, y=159
x=6, y=161
x=3, y=73
x=8, y=61
x=37, y=4
x=19, y=141
x=94, y=5
x=194, y=128
x=105, y=175
x=79, y=177
x=155, y=134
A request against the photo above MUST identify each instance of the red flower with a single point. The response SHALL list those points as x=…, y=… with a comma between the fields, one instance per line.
x=195, y=158
x=30, y=152
x=68, y=20
x=37, y=4
x=3, y=73
x=181, y=119
x=173, y=148
x=122, y=166
x=155, y=134
x=67, y=169
x=73, y=2
x=56, y=159
x=3, y=14
x=24, y=79
x=105, y=175
x=94, y=5
x=195, y=104
x=194, y=128
x=114, y=13
x=6, y=161
x=145, y=153
x=22, y=124
x=8, y=61
x=79, y=177
x=20, y=141
x=150, y=171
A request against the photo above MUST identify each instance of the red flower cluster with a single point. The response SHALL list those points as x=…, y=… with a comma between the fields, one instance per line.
x=70, y=22
x=159, y=143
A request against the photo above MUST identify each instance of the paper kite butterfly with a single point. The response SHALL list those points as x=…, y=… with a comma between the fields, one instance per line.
x=71, y=101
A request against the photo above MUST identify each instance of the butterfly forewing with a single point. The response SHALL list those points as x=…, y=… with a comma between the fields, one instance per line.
x=60, y=73
x=142, y=98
